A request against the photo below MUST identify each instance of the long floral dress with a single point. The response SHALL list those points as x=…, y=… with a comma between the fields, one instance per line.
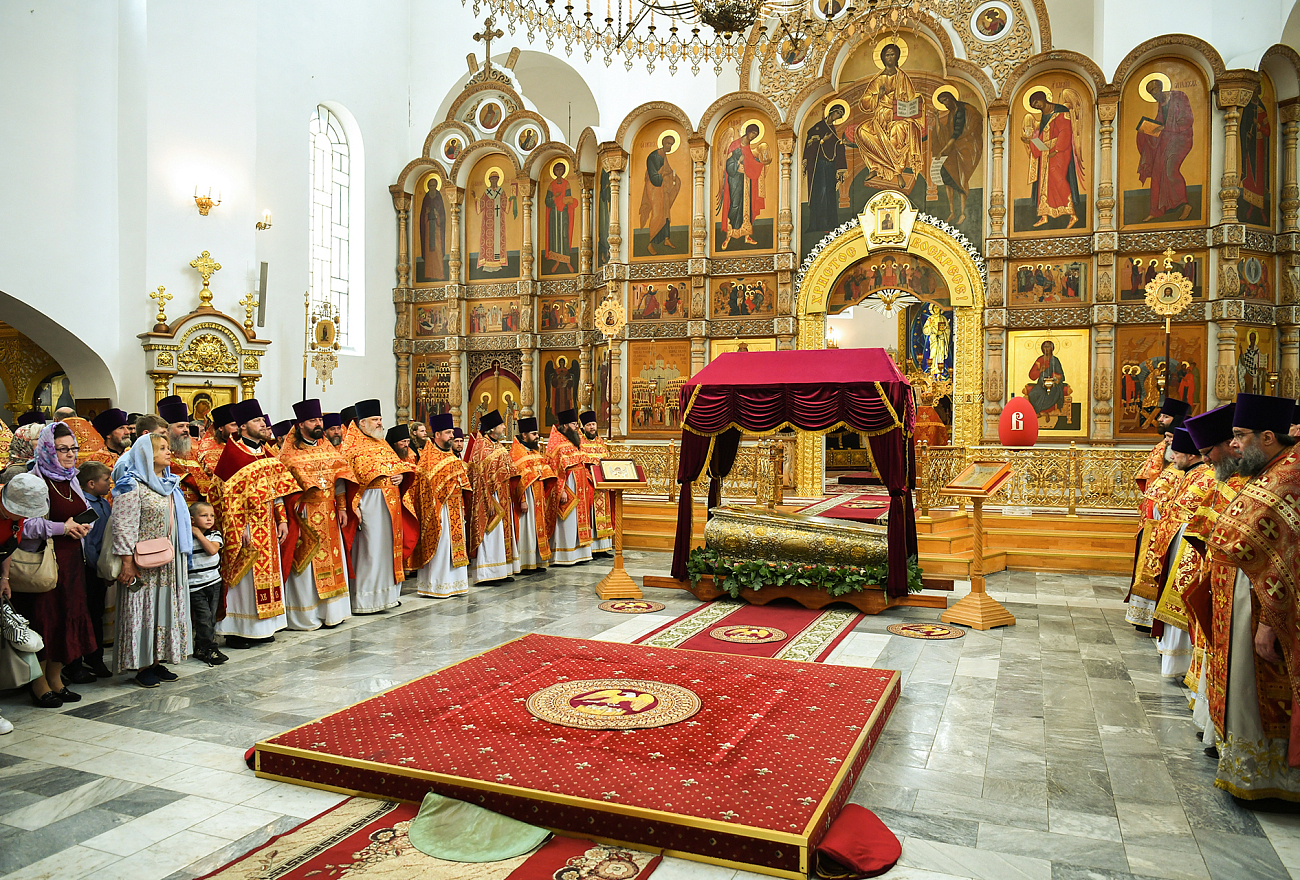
x=153, y=621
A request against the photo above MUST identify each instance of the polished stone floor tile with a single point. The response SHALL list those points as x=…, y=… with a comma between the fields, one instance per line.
x=1050, y=750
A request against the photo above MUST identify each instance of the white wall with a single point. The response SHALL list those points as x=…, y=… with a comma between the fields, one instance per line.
x=112, y=112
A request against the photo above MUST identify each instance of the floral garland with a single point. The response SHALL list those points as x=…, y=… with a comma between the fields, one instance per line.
x=733, y=575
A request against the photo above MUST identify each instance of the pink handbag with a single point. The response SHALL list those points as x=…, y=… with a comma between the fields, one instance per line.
x=157, y=552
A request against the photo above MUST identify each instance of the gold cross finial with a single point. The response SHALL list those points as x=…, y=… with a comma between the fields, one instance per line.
x=161, y=297
x=487, y=36
x=207, y=267
x=249, y=302
x=1169, y=258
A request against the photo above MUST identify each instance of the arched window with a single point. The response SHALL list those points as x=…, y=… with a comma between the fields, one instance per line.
x=336, y=242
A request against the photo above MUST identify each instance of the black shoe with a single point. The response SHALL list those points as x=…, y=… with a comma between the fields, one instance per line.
x=1212, y=752
x=205, y=655
x=78, y=675
x=47, y=700
x=68, y=696
x=218, y=657
x=1200, y=734
x=239, y=643
x=163, y=673
x=100, y=669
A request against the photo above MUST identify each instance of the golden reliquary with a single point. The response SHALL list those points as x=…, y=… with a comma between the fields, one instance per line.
x=789, y=537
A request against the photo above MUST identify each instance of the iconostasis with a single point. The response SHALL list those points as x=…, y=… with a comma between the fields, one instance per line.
x=1073, y=191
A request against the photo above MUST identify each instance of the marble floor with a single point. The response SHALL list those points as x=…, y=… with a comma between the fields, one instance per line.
x=1051, y=750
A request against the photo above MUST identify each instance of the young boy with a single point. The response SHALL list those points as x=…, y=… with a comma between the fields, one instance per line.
x=95, y=483
x=205, y=582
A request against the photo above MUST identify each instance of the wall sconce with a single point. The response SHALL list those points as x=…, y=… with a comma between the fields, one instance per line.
x=265, y=222
x=205, y=203
x=833, y=337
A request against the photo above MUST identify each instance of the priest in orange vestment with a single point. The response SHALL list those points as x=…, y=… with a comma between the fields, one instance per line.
x=253, y=528
x=1256, y=543
x=115, y=431
x=532, y=517
x=387, y=529
x=316, y=572
x=492, y=477
x=441, y=558
x=602, y=504
x=571, y=538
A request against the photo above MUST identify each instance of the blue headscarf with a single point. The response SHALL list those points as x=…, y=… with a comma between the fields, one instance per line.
x=136, y=467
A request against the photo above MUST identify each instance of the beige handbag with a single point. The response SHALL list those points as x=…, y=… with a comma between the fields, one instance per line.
x=33, y=571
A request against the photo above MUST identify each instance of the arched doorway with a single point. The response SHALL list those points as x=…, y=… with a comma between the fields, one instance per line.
x=39, y=357
x=949, y=272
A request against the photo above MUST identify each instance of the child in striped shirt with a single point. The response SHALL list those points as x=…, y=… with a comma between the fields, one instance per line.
x=205, y=582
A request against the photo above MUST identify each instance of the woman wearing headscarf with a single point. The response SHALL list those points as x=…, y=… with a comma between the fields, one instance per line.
x=60, y=614
x=22, y=448
x=153, y=604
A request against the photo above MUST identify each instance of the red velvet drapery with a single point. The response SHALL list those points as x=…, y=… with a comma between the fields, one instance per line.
x=761, y=392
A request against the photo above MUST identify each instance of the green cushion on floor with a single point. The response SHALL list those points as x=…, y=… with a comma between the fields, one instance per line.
x=461, y=832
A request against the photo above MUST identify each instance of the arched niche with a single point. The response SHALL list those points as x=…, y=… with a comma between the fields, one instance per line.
x=889, y=223
x=90, y=376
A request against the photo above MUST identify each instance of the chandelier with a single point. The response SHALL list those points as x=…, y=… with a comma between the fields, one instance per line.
x=697, y=32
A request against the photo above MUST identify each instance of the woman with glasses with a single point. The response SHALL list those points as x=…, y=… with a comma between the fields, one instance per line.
x=59, y=615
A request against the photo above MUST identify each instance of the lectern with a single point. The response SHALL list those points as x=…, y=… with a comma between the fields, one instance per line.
x=979, y=482
x=615, y=475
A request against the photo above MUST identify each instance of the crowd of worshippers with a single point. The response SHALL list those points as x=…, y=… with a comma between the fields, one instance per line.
x=169, y=535
x=1216, y=583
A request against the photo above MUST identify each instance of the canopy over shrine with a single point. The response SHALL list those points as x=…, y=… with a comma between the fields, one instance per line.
x=764, y=392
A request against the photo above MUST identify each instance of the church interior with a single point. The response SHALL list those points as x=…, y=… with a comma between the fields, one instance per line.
x=854, y=325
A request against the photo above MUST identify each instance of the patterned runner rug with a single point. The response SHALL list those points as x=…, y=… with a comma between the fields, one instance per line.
x=364, y=838
x=782, y=630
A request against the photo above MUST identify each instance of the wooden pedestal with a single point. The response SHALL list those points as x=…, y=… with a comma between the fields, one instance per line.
x=978, y=610
x=618, y=584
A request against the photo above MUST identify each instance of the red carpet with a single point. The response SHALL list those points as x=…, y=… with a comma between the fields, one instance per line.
x=782, y=630
x=860, y=507
x=858, y=478
x=753, y=778
x=364, y=838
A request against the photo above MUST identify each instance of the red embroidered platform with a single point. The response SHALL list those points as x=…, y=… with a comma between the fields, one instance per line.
x=752, y=779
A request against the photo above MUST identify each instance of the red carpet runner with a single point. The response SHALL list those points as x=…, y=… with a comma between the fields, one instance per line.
x=781, y=630
x=753, y=778
x=365, y=839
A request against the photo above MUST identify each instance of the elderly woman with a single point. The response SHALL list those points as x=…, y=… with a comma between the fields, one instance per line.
x=21, y=449
x=59, y=615
x=25, y=495
x=153, y=604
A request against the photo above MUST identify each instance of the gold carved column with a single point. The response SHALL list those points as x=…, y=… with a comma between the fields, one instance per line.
x=527, y=300
x=1107, y=106
x=784, y=214
x=613, y=161
x=998, y=198
x=403, y=387
x=699, y=200
x=586, y=262
x=1233, y=90
x=453, y=343
x=402, y=204
x=1289, y=115
x=585, y=249
x=616, y=386
x=1288, y=380
x=1103, y=384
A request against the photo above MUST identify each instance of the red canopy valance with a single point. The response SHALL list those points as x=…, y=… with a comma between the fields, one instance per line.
x=764, y=391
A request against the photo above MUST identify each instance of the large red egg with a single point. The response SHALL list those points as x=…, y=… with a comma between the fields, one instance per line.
x=1018, y=425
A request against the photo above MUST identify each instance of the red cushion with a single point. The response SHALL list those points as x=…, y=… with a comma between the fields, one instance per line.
x=857, y=845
